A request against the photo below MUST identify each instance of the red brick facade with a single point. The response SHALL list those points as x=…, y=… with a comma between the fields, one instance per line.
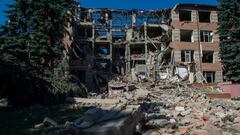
x=195, y=44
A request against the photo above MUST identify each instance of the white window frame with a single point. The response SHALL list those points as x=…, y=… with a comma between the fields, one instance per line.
x=188, y=56
x=207, y=36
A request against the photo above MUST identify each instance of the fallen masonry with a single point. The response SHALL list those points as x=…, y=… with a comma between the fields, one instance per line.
x=157, y=109
x=147, y=73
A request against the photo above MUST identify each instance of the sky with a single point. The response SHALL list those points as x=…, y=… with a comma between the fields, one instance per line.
x=120, y=4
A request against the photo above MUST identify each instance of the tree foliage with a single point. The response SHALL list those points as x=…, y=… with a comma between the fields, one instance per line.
x=229, y=31
x=31, y=48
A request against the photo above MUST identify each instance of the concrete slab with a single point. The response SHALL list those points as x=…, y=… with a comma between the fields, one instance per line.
x=124, y=125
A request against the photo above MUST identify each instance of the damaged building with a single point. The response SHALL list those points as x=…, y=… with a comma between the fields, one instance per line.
x=179, y=44
x=195, y=41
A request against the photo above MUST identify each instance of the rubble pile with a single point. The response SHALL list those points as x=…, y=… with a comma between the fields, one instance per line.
x=189, y=111
x=157, y=109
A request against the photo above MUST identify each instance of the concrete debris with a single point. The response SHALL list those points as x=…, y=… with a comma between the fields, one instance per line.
x=93, y=101
x=187, y=110
x=119, y=120
x=40, y=125
x=49, y=122
x=179, y=108
x=116, y=88
x=159, y=108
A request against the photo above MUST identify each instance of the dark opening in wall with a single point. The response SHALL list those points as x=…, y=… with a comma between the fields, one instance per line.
x=154, y=32
x=204, y=17
x=209, y=76
x=208, y=57
x=185, y=15
x=186, y=35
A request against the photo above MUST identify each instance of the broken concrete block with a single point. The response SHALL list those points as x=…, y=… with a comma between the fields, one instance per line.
x=125, y=125
x=49, y=122
x=236, y=120
x=157, y=123
x=187, y=112
x=220, y=114
x=214, y=132
x=179, y=108
x=68, y=124
x=186, y=120
x=200, y=132
x=172, y=121
x=85, y=124
x=155, y=133
x=41, y=125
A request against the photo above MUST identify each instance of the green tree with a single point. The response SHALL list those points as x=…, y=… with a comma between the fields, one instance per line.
x=229, y=31
x=31, y=44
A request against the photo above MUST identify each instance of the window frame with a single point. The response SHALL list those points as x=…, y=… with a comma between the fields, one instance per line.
x=206, y=36
x=188, y=56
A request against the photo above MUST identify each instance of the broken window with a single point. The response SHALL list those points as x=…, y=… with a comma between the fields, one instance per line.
x=209, y=76
x=185, y=16
x=186, y=35
x=204, y=17
x=208, y=57
x=187, y=56
x=206, y=36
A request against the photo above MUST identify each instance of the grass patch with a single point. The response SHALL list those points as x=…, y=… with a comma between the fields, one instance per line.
x=21, y=122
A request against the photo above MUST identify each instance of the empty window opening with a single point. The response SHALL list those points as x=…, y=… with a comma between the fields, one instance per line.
x=204, y=17
x=208, y=57
x=137, y=62
x=185, y=16
x=154, y=32
x=206, y=36
x=187, y=56
x=186, y=35
x=209, y=76
x=137, y=51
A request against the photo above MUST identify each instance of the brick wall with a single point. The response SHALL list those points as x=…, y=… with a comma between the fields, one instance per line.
x=177, y=45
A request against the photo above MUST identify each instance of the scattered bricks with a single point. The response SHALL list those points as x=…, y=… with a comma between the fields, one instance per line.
x=195, y=97
x=199, y=124
x=197, y=116
x=186, y=120
x=228, y=118
x=170, y=130
x=236, y=127
x=184, y=129
x=187, y=112
x=205, y=117
x=200, y=132
x=213, y=131
x=220, y=95
x=226, y=133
